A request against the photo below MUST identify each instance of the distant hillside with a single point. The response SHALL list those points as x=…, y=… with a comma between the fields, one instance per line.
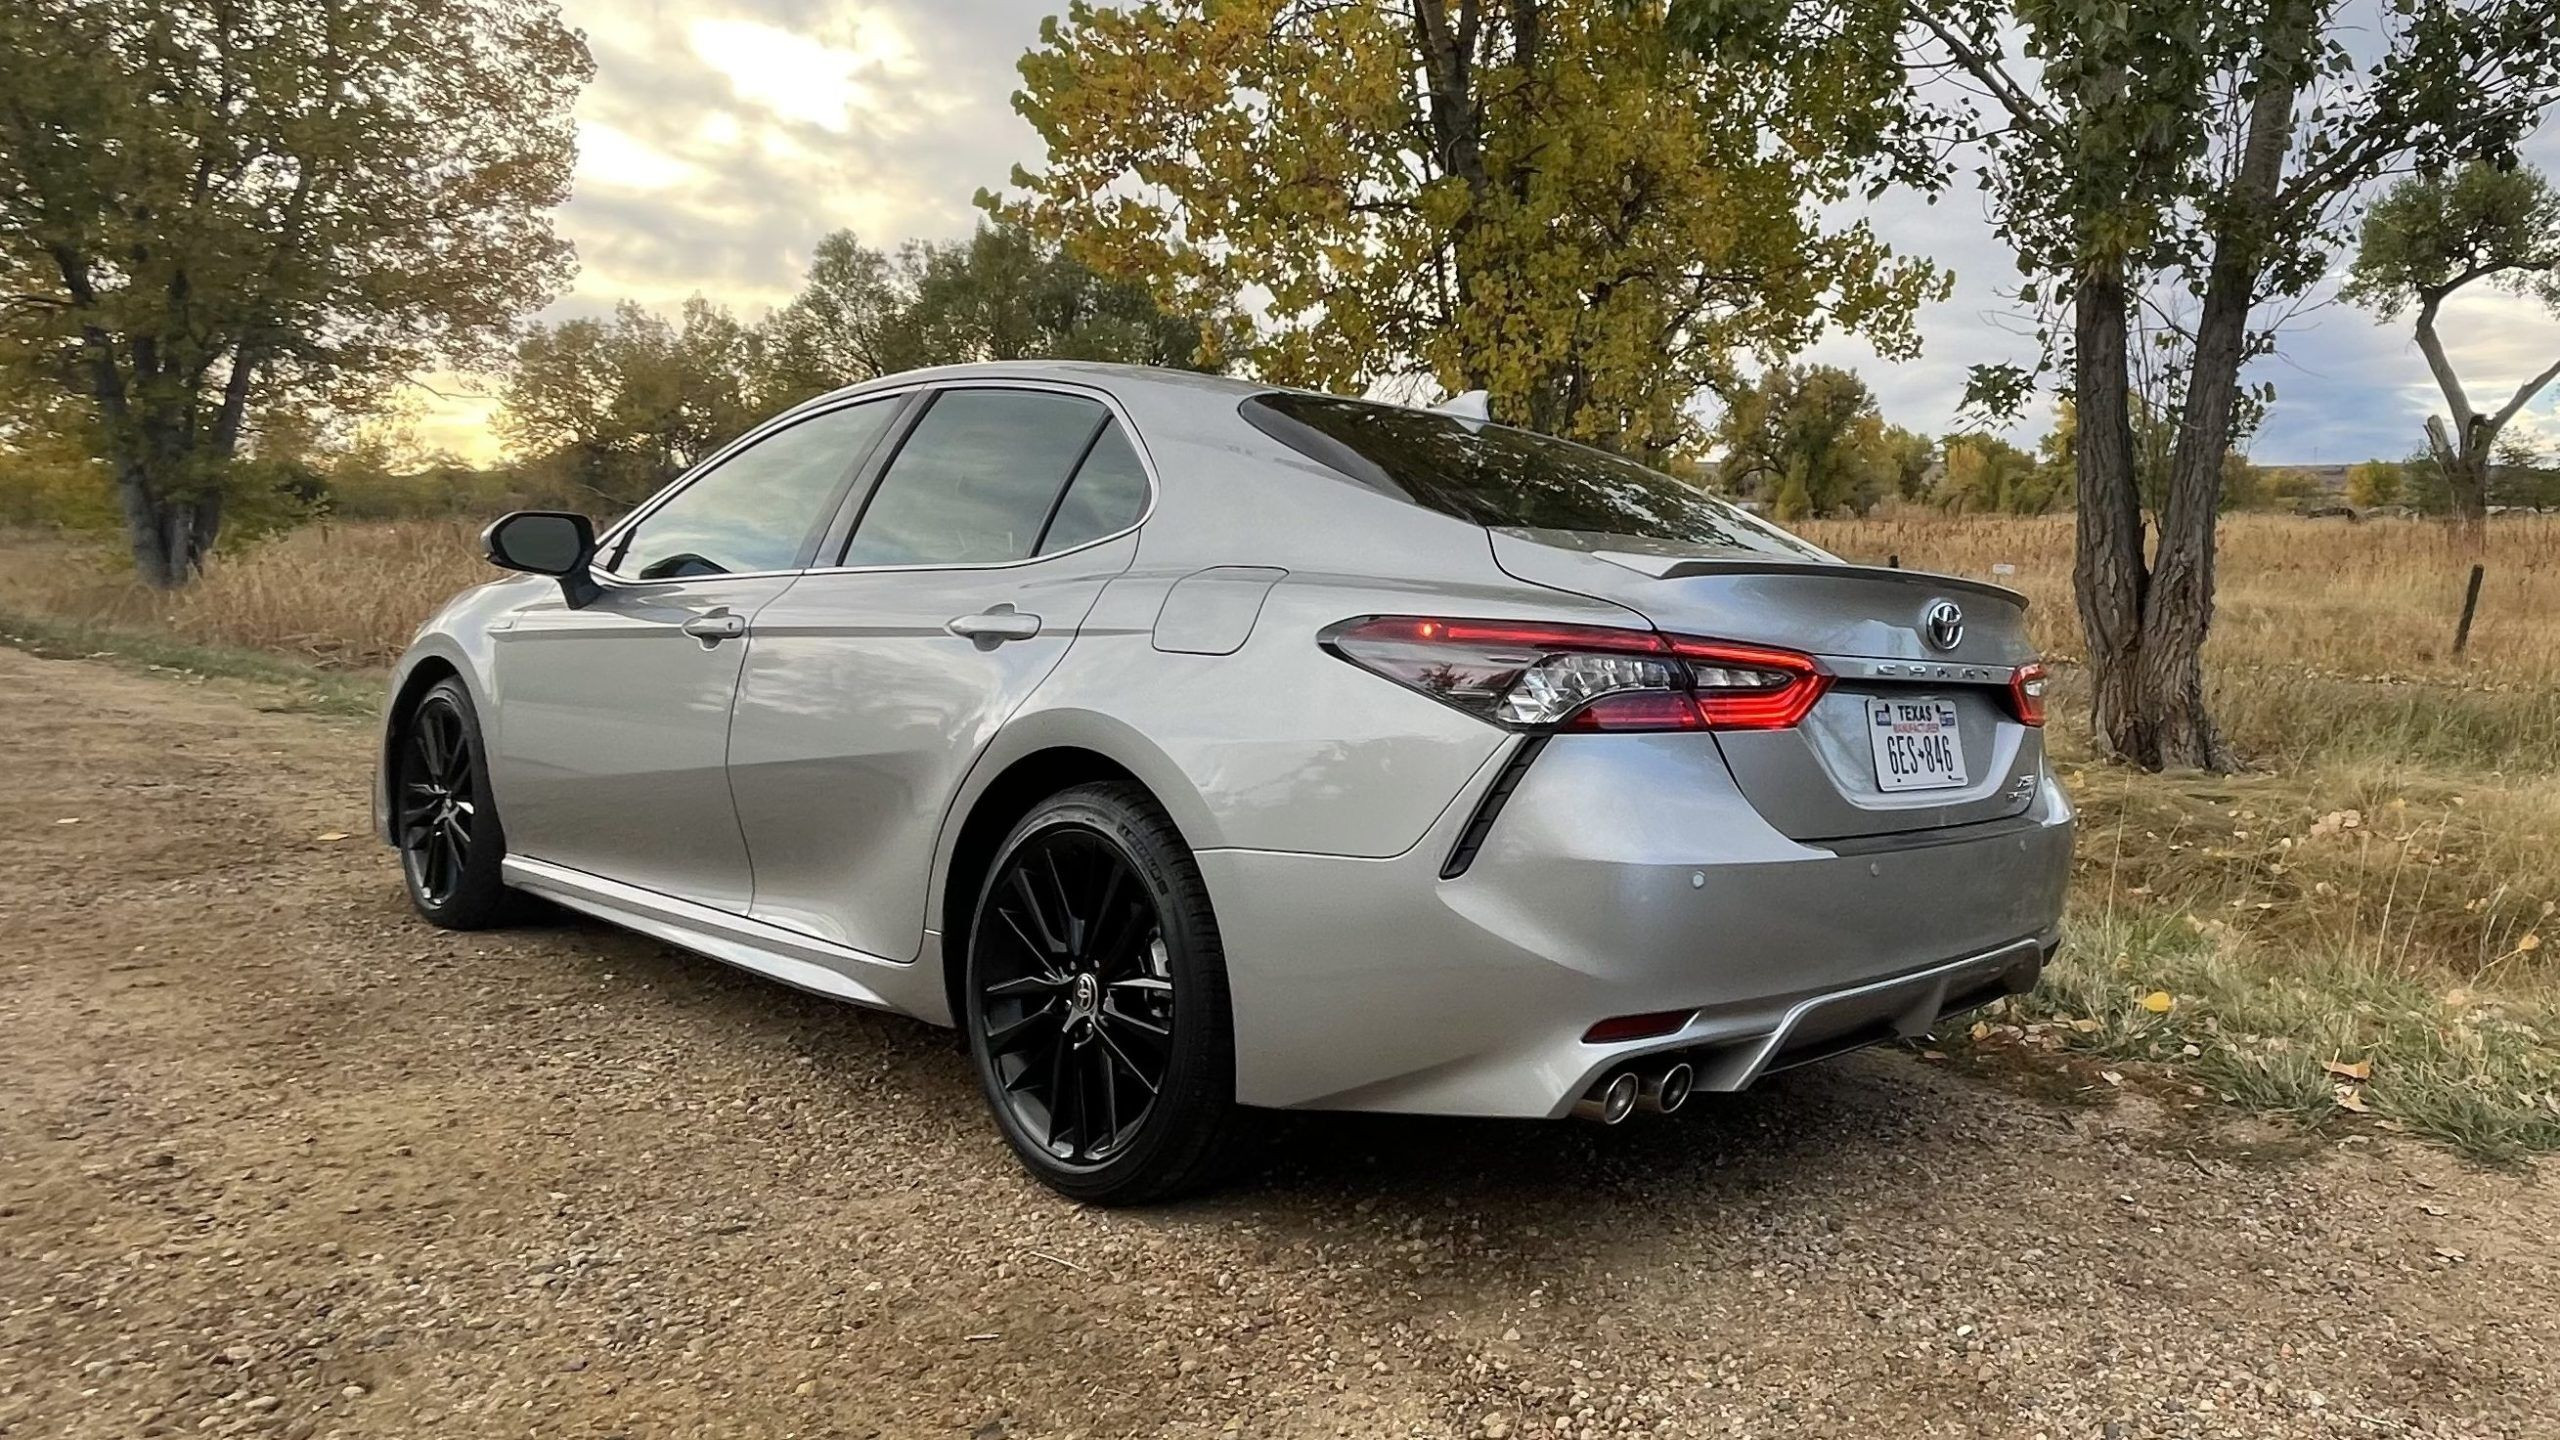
x=2328, y=480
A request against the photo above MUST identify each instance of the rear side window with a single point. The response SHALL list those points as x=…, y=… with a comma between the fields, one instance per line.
x=976, y=479
x=1108, y=494
x=1504, y=478
x=760, y=506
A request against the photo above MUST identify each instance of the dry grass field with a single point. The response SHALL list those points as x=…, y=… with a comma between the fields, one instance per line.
x=342, y=596
x=2361, y=926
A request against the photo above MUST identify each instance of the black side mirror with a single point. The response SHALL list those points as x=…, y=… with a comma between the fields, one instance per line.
x=546, y=542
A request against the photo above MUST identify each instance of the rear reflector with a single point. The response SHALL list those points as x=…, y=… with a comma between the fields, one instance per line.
x=1636, y=1027
x=1526, y=675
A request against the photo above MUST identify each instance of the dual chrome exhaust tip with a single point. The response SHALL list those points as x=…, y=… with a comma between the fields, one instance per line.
x=1625, y=1092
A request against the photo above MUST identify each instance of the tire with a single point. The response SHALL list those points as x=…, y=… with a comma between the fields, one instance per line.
x=444, y=823
x=1075, y=946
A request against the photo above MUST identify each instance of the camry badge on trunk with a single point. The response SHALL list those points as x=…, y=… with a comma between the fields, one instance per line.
x=1943, y=625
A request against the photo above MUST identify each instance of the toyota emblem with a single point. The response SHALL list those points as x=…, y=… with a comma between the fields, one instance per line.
x=1943, y=626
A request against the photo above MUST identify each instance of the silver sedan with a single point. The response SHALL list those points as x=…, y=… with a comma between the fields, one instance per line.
x=1201, y=748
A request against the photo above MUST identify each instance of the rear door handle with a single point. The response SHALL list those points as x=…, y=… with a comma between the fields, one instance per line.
x=991, y=628
x=715, y=627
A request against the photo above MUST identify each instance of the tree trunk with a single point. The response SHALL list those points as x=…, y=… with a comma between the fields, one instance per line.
x=170, y=518
x=2464, y=463
x=2108, y=574
x=2168, y=723
x=2461, y=450
x=2179, y=613
x=145, y=528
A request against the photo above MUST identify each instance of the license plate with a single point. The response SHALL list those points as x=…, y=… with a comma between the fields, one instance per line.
x=1916, y=744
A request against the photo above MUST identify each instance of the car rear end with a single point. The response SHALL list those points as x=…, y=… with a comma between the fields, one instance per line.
x=1790, y=808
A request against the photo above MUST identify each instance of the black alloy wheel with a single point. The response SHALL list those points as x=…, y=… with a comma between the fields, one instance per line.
x=1076, y=995
x=442, y=817
x=1094, y=995
x=438, y=801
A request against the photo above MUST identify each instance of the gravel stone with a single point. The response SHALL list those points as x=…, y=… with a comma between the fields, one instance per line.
x=279, y=1158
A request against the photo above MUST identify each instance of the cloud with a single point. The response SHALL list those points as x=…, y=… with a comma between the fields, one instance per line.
x=802, y=79
x=721, y=140
x=2348, y=385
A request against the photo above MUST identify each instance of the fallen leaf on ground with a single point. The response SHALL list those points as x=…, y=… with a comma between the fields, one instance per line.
x=2087, y=1027
x=334, y=835
x=2349, y=1098
x=2361, y=1070
x=2159, y=1002
x=2112, y=1077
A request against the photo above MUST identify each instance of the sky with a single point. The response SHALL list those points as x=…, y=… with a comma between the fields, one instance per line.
x=721, y=139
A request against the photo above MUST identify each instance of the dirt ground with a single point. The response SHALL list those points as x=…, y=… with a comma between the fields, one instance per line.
x=278, y=1159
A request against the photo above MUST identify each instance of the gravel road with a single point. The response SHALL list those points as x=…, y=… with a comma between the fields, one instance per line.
x=277, y=1159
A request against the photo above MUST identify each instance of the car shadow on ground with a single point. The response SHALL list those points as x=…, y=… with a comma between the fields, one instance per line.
x=1856, y=1119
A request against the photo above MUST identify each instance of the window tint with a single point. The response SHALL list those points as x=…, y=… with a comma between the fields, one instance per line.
x=1503, y=478
x=975, y=479
x=1108, y=494
x=759, y=507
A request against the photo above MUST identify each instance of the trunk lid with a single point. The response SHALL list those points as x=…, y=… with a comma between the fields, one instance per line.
x=1831, y=777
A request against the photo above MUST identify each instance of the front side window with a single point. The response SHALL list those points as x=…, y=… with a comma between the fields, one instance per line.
x=758, y=509
x=1502, y=478
x=976, y=479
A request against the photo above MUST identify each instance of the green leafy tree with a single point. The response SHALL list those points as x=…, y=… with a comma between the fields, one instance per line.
x=2431, y=236
x=1810, y=440
x=1912, y=456
x=2374, y=483
x=2056, y=453
x=2137, y=151
x=1005, y=294
x=49, y=471
x=1002, y=294
x=1986, y=475
x=620, y=407
x=617, y=408
x=2527, y=475
x=210, y=208
x=849, y=323
x=1548, y=200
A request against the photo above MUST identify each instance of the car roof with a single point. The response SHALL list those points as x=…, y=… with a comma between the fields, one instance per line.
x=1116, y=378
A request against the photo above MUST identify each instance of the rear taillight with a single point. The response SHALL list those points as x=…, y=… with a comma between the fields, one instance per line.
x=2026, y=694
x=1530, y=676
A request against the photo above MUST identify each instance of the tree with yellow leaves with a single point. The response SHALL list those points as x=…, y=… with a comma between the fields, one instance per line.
x=1544, y=199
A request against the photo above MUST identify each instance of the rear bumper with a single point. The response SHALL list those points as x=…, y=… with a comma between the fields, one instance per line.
x=1626, y=875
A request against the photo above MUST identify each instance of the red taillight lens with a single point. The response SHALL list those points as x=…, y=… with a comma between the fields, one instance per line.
x=2026, y=694
x=1533, y=676
x=1732, y=698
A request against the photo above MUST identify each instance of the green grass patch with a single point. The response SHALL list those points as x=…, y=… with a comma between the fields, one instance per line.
x=2322, y=1040
x=284, y=684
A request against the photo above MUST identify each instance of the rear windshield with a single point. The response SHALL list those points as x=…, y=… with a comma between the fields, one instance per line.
x=1502, y=478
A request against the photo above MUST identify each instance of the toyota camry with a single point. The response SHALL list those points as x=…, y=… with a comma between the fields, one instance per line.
x=1201, y=748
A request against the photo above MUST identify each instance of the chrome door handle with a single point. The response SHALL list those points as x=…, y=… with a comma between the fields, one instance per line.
x=715, y=627
x=993, y=627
